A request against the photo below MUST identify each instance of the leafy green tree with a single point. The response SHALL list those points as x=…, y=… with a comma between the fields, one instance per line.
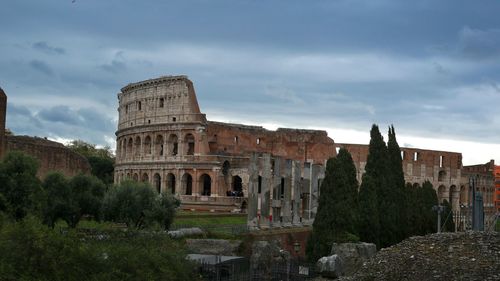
x=337, y=217
x=19, y=186
x=70, y=200
x=101, y=160
x=138, y=205
x=369, y=229
x=396, y=201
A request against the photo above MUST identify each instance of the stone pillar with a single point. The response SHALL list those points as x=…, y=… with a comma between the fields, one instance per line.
x=287, y=195
x=297, y=190
x=276, y=203
x=307, y=185
x=318, y=174
x=252, y=220
x=265, y=195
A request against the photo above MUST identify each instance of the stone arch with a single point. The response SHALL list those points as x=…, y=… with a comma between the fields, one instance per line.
x=145, y=177
x=442, y=193
x=442, y=176
x=187, y=184
x=159, y=145
x=171, y=183
x=157, y=182
x=173, y=142
x=237, y=186
x=189, y=141
x=147, y=145
x=130, y=147
x=136, y=177
x=205, y=185
x=137, y=146
x=129, y=177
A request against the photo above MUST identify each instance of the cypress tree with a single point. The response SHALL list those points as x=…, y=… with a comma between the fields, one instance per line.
x=369, y=229
x=337, y=217
x=397, y=201
x=427, y=216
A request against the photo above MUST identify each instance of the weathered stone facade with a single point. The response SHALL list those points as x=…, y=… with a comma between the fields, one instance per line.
x=52, y=156
x=163, y=138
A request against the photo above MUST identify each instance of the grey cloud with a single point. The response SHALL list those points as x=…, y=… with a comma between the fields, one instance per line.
x=42, y=67
x=61, y=114
x=46, y=48
x=479, y=44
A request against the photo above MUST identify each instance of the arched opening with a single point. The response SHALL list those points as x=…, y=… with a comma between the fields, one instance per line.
x=441, y=176
x=145, y=178
x=128, y=176
x=454, y=198
x=282, y=188
x=187, y=184
x=136, y=177
x=442, y=193
x=157, y=182
x=147, y=145
x=237, y=186
x=171, y=183
x=206, y=185
x=173, y=142
x=137, y=146
x=162, y=102
x=225, y=168
x=129, y=148
x=159, y=145
x=189, y=141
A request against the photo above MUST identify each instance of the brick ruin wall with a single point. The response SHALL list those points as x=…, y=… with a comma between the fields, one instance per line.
x=52, y=156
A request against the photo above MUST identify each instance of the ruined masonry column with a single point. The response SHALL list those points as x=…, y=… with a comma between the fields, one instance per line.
x=265, y=195
x=287, y=196
x=297, y=190
x=252, y=220
x=276, y=203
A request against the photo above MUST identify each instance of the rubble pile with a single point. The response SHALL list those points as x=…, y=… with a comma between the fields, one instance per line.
x=448, y=256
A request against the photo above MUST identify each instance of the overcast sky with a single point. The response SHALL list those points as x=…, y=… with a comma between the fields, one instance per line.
x=431, y=68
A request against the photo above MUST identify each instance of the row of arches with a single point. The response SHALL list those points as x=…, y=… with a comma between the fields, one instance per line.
x=168, y=184
x=134, y=147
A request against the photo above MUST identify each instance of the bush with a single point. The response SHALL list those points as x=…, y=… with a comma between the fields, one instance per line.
x=138, y=206
x=32, y=251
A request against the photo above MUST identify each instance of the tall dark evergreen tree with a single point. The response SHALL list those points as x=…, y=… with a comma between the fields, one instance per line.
x=369, y=229
x=337, y=217
x=396, y=200
x=428, y=217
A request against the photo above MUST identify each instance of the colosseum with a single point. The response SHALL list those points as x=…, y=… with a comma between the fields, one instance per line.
x=163, y=138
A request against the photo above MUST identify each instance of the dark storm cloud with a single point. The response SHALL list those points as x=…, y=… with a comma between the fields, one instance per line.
x=42, y=67
x=44, y=47
x=430, y=67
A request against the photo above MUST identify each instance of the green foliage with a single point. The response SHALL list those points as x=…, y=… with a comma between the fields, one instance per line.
x=101, y=160
x=70, y=200
x=396, y=200
x=138, y=205
x=31, y=251
x=369, y=230
x=19, y=186
x=337, y=217
x=447, y=223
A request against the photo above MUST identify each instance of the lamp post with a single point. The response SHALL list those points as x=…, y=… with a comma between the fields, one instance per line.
x=439, y=209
